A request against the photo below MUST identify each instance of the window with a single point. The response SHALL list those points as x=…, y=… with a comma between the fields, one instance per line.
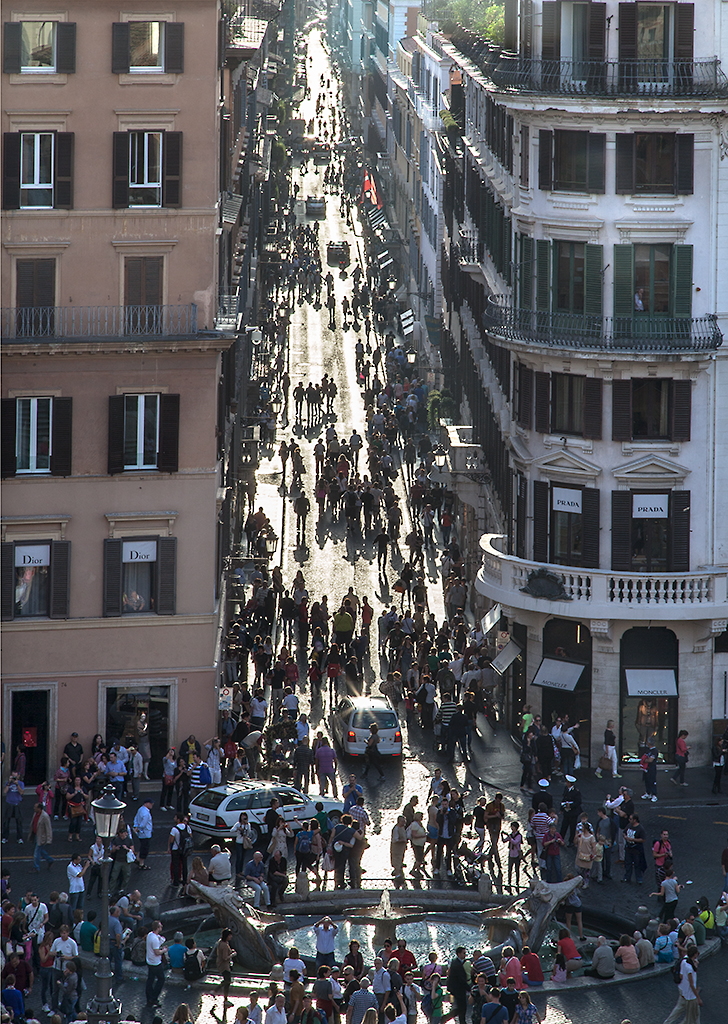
x=566, y=539
x=656, y=46
x=658, y=163
x=569, y=268
x=653, y=32
x=140, y=576
x=35, y=579
x=33, y=435
x=565, y=524
x=651, y=531
x=652, y=278
x=580, y=39
x=141, y=431
x=651, y=408
x=36, y=436
x=36, y=169
x=39, y=47
x=147, y=47
x=571, y=161
x=567, y=403
x=147, y=169
x=35, y=297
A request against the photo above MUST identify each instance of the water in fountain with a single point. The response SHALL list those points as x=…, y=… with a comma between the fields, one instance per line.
x=385, y=906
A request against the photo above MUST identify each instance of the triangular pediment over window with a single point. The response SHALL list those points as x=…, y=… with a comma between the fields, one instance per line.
x=567, y=466
x=651, y=471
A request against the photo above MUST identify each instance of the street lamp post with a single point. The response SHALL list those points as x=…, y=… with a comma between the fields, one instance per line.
x=105, y=1006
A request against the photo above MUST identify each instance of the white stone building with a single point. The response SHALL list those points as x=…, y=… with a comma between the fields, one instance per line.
x=586, y=295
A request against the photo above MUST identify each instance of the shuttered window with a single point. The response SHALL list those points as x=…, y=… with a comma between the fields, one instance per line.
x=143, y=295
x=655, y=163
x=37, y=436
x=574, y=536
x=38, y=170
x=35, y=579
x=572, y=161
x=39, y=47
x=652, y=279
x=140, y=576
x=651, y=409
x=147, y=169
x=143, y=433
x=147, y=47
x=568, y=404
x=645, y=31
x=35, y=297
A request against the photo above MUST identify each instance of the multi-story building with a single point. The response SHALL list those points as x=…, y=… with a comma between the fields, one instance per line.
x=585, y=295
x=112, y=406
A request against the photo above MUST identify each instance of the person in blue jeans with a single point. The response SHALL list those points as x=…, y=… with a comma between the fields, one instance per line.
x=634, y=850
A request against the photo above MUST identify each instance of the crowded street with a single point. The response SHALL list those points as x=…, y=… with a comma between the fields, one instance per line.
x=364, y=597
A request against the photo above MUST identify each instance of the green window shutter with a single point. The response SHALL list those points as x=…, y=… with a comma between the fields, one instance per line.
x=593, y=279
x=543, y=281
x=526, y=273
x=623, y=280
x=682, y=281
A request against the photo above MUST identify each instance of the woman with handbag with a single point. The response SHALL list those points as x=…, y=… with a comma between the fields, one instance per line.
x=76, y=810
x=608, y=760
x=585, y=851
x=243, y=835
x=279, y=838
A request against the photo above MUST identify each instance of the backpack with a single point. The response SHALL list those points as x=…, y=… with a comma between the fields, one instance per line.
x=184, y=842
x=304, y=843
x=426, y=1004
x=205, y=776
x=675, y=970
x=192, y=968
x=138, y=955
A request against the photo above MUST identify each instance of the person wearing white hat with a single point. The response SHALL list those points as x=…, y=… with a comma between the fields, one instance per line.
x=571, y=808
x=542, y=796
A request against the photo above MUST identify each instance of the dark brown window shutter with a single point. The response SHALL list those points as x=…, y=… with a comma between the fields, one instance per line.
x=542, y=390
x=541, y=495
x=551, y=30
x=120, y=176
x=168, y=454
x=625, y=164
x=684, y=160
x=621, y=410
x=120, y=48
x=545, y=159
x=596, y=156
x=8, y=425
x=628, y=32
x=152, y=281
x=597, y=31
x=526, y=28
x=590, y=528
x=60, y=578
x=61, y=440
x=113, y=578
x=166, y=576
x=680, y=529
x=172, y=169
x=510, y=34
x=11, y=169
x=174, y=47
x=7, y=582
x=621, y=530
x=521, y=513
x=63, y=175
x=134, y=281
x=12, y=36
x=116, y=435
x=684, y=31
x=593, y=408
x=681, y=409
x=66, y=47
x=35, y=283
x=525, y=396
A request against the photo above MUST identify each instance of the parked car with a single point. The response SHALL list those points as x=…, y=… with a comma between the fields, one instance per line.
x=337, y=254
x=216, y=810
x=350, y=723
x=315, y=206
x=321, y=151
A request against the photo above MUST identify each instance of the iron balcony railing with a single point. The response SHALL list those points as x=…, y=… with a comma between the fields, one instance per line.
x=640, y=333
x=71, y=322
x=608, y=78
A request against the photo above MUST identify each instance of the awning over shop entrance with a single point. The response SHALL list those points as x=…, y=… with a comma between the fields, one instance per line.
x=506, y=657
x=491, y=618
x=651, y=682
x=558, y=674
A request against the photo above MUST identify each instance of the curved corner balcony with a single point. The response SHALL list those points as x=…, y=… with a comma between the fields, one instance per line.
x=640, y=333
x=648, y=78
x=601, y=594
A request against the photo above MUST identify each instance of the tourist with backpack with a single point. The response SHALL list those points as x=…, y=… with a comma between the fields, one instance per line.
x=179, y=848
x=684, y=974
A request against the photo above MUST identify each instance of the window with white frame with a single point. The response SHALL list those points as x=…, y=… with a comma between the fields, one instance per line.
x=38, y=46
x=33, y=435
x=36, y=170
x=145, y=168
x=146, y=46
x=141, y=431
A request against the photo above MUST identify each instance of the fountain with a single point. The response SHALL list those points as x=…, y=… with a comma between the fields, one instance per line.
x=248, y=925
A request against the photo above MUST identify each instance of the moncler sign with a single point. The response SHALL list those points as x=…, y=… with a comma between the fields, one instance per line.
x=139, y=551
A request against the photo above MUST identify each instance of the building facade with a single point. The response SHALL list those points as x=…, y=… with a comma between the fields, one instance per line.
x=584, y=279
x=112, y=407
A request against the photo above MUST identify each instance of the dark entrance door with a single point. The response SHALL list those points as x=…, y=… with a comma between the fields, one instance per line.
x=563, y=638
x=30, y=729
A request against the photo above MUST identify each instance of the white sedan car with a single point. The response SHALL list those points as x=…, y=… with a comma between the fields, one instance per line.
x=350, y=723
x=216, y=810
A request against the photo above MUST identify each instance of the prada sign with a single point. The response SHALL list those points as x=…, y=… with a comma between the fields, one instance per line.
x=566, y=499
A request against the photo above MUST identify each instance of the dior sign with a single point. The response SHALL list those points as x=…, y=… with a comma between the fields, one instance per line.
x=28, y=555
x=139, y=551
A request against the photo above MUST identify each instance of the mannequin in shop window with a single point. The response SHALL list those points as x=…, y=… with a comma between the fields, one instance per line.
x=646, y=721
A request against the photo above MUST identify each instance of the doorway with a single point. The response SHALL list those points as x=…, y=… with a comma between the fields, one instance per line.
x=564, y=638
x=29, y=729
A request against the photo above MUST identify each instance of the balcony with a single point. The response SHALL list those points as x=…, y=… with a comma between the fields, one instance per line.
x=600, y=594
x=76, y=323
x=636, y=334
x=648, y=78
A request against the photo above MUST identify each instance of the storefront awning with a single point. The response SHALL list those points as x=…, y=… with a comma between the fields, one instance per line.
x=491, y=619
x=651, y=682
x=558, y=674
x=506, y=657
